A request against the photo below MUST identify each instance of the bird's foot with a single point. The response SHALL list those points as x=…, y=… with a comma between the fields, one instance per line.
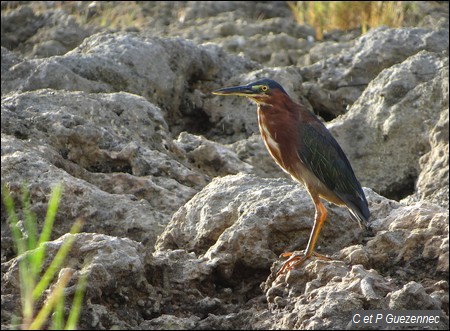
x=296, y=260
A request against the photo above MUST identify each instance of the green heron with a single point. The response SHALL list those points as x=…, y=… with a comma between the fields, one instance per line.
x=304, y=148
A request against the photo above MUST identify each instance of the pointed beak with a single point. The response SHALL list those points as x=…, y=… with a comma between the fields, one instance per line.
x=243, y=90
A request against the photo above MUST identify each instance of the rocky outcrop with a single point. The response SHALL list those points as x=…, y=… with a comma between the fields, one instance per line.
x=185, y=213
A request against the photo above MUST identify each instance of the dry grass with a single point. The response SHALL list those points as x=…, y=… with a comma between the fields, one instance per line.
x=326, y=16
x=117, y=15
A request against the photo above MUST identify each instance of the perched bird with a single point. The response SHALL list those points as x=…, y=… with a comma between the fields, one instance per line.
x=304, y=148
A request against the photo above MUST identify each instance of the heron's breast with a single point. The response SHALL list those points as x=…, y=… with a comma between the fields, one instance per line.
x=275, y=142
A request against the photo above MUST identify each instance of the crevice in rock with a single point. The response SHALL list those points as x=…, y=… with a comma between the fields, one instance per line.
x=244, y=281
x=114, y=166
x=327, y=116
x=197, y=122
x=401, y=190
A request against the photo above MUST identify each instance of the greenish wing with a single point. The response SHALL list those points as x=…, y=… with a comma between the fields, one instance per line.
x=321, y=153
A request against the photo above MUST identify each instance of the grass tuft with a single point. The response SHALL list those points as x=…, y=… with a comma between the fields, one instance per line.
x=30, y=248
x=325, y=16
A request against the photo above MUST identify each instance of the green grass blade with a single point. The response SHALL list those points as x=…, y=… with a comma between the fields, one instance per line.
x=53, y=298
x=58, y=316
x=13, y=221
x=53, y=205
x=30, y=225
x=26, y=278
x=31, y=254
x=29, y=219
x=57, y=261
x=27, y=282
x=75, y=310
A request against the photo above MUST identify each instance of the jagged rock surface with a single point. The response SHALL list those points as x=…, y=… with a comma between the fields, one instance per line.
x=185, y=213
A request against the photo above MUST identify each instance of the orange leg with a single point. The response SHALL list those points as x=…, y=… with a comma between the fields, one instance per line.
x=297, y=260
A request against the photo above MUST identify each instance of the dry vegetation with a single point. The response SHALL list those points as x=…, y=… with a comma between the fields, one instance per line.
x=326, y=16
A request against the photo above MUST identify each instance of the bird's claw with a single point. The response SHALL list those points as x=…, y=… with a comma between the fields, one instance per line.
x=292, y=262
x=296, y=260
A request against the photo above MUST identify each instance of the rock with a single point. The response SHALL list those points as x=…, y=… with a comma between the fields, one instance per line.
x=273, y=41
x=433, y=16
x=197, y=11
x=187, y=269
x=411, y=236
x=209, y=157
x=377, y=132
x=169, y=322
x=104, y=259
x=107, y=150
x=242, y=223
x=322, y=51
x=432, y=183
x=19, y=25
x=42, y=35
x=9, y=59
x=124, y=59
x=326, y=292
x=322, y=293
x=342, y=78
x=185, y=211
x=412, y=297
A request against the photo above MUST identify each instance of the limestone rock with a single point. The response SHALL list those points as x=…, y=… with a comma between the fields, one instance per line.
x=345, y=76
x=108, y=150
x=245, y=221
x=185, y=212
x=378, y=131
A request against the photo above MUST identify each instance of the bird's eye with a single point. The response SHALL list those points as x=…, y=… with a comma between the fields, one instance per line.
x=264, y=88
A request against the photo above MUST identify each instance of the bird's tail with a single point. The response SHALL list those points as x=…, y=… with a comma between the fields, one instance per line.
x=360, y=211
